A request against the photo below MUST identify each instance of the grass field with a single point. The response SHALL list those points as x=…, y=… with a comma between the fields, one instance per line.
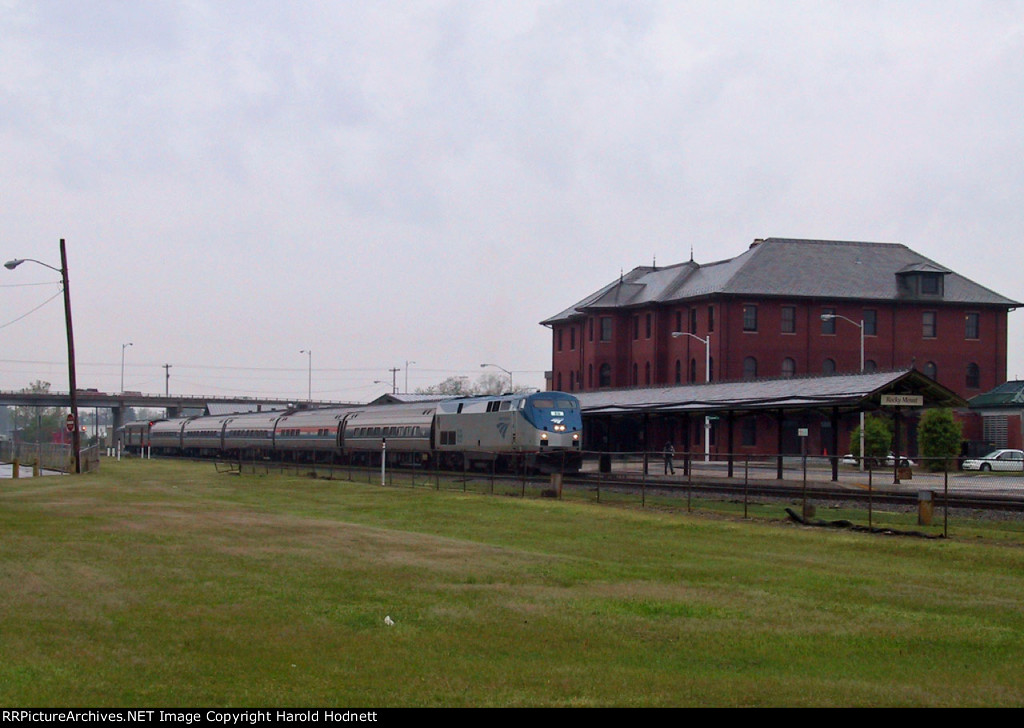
x=166, y=584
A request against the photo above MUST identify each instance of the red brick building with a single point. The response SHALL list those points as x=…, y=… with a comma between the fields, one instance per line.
x=762, y=313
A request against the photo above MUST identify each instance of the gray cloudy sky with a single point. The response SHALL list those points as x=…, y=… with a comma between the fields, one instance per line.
x=384, y=181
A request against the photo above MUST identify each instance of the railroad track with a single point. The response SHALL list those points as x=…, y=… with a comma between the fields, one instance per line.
x=815, y=490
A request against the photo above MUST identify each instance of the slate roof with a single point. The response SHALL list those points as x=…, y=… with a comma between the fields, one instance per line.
x=784, y=267
x=782, y=393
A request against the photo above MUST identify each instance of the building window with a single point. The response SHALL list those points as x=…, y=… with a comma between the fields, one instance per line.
x=647, y=324
x=828, y=325
x=931, y=284
x=973, y=376
x=828, y=366
x=931, y=371
x=711, y=369
x=590, y=376
x=750, y=368
x=636, y=328
x=590, y=324
x=679, y=372
x=928, y=327
x=636, y=375
x=558, y=386
x=693, y=321
x=693, y=370
x=870, y=365
x=558, y=337
x=971, y=324
x=788, y=367
x=789, y=319
x=679, y=320
x=647, y=373
x=711, y=318
x=870, y=322
x=606, y=328
x=572, y=339
x=750, y=318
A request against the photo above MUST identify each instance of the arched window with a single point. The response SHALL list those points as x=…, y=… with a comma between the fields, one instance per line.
x=870, y=365
x=558, y=385
x=679, y=371
x=750, y=368
x=930, y=370
x=636, y=374
x=647, y=373
x=604, y=375
x=693, y=370
x=788, y=367
x=590, y=376
x=711, y=369
x=828, y=366
x=973, y=376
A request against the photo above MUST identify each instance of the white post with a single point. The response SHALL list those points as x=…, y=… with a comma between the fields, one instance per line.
x=383, y=459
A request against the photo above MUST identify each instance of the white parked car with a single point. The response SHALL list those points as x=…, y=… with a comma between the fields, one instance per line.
x=997, y=460
x=905, y=462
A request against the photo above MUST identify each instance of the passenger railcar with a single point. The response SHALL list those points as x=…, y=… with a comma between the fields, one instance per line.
x=309, y=434
x=166, y=437
x=134, y=436
x=403, y=431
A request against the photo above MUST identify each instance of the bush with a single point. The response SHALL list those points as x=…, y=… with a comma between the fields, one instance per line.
x=877, y=438
x=940, y=437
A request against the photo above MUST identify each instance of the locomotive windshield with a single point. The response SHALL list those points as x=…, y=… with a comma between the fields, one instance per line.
x=553, y=411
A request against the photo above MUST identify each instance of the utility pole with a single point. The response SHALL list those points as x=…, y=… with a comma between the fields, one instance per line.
x=394, y=381
x=167, y=380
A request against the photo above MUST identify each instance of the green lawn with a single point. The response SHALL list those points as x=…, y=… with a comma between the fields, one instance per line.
x=167, y=584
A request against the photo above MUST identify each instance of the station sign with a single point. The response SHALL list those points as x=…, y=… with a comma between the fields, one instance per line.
x=903, y=400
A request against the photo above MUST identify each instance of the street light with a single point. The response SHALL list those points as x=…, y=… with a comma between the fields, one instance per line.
x=76, y=437
x=707, y=378
x=123, y=347
x=310, y=385
x=407, y=375
x=831, y=317
x=510, y=387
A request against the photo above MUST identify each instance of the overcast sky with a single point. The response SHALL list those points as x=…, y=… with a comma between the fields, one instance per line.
x=383, y=182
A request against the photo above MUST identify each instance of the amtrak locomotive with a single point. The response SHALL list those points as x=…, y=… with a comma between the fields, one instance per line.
x=541, y=431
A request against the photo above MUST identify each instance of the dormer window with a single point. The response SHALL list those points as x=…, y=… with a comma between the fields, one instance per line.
x=931, y=284
x=921, y=281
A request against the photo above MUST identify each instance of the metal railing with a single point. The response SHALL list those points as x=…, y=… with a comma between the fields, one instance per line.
x=49, y=456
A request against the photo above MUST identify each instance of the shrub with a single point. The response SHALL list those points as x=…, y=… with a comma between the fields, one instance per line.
x=940, y=438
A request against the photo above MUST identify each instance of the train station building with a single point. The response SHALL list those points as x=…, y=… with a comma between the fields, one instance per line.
x=783, y=309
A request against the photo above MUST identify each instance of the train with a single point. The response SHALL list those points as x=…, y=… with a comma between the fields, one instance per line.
x=541, y=432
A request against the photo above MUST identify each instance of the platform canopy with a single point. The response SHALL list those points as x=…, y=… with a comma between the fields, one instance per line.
x=849, y=391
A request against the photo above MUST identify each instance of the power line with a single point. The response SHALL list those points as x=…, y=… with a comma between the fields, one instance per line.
x=4, y=326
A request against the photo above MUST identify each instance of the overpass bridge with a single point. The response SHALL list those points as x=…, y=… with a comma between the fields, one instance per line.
x=174, y=404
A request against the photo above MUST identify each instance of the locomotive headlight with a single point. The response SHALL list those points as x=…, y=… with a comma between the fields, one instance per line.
x=559, y=428
x=543, y=436
x=575, y=436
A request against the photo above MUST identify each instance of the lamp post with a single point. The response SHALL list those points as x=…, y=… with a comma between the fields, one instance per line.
x=309, y=395
x=707, y=378
x=833, y=316
x=510, y=387
x=76, y=437
x=123, y=347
